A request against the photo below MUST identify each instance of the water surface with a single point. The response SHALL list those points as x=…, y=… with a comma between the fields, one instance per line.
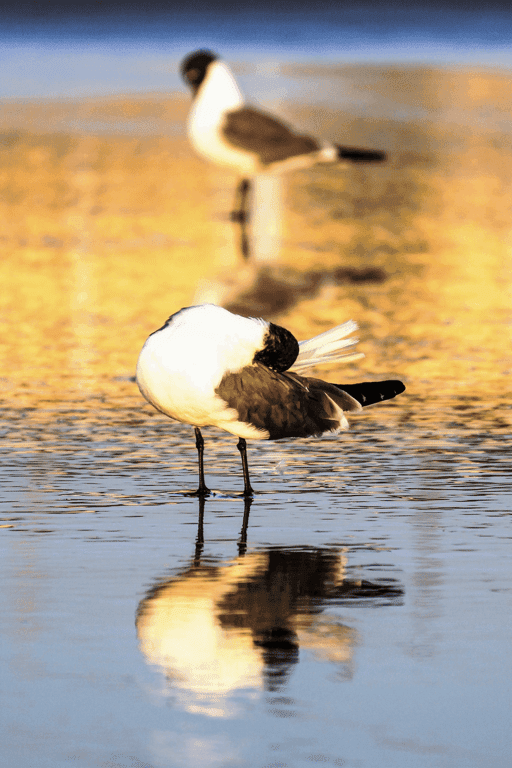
x=357, y=613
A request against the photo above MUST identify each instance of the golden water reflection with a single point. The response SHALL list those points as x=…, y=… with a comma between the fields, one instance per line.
x=103, y=236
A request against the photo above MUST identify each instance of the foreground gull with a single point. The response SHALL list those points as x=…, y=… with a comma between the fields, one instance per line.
x=209, y=367
x=224, y=130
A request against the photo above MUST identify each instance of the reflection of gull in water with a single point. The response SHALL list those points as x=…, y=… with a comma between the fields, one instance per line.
x=224, y=632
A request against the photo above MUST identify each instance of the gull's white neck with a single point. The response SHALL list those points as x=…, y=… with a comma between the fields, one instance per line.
x=218, y=92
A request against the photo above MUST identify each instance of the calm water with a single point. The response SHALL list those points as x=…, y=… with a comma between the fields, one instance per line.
x=362, y=619
x=358, y=612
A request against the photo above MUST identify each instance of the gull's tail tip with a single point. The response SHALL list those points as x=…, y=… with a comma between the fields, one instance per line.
x=328, y=347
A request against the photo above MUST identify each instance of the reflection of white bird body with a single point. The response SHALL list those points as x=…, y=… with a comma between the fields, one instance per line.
x=179, y=631
x=209, y=367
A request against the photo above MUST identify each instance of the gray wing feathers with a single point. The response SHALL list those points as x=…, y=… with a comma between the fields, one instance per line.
x=271, y=140
x=284, y=404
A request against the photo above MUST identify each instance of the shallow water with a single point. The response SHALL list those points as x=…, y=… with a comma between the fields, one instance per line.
x=361, y=618
x=357, y=612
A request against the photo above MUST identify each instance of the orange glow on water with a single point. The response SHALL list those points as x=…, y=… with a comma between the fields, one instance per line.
x=105, y=236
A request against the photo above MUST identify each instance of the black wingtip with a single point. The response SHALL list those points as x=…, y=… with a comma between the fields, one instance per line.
x=356, y=155
x=370, y=392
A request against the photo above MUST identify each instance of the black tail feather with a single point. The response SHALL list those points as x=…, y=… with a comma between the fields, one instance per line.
x=369, y=392
x=356, y=155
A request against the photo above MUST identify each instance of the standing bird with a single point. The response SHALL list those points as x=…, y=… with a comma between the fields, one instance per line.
x=209, y=367
x=225, y=131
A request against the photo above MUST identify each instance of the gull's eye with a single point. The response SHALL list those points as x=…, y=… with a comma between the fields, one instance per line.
x=193, y=75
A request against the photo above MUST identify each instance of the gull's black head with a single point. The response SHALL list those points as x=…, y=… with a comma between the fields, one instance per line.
x=195, y=66
x=280, y=351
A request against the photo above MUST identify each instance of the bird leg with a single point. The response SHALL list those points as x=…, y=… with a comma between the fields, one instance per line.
x=240, y=214
x=242, y=447
x=202, y=490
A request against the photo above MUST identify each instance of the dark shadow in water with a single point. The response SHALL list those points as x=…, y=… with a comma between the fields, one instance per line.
x=276, y=290
x=253, y=613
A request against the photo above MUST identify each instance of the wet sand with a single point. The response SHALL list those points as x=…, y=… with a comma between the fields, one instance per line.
x=107, y=234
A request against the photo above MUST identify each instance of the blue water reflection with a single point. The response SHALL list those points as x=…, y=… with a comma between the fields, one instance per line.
x=357, y=625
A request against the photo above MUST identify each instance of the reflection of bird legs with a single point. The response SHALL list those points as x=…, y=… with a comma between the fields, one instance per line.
x=240, y=214
x=242, y=542
x=200, y=534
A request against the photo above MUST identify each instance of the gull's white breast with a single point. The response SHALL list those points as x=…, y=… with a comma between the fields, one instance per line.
x=217, y=95
x=181, y=365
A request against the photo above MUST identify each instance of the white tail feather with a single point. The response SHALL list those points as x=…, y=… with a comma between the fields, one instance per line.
x=327, y=347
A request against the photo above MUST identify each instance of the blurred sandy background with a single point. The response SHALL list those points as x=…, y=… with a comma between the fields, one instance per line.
x=110, y=222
